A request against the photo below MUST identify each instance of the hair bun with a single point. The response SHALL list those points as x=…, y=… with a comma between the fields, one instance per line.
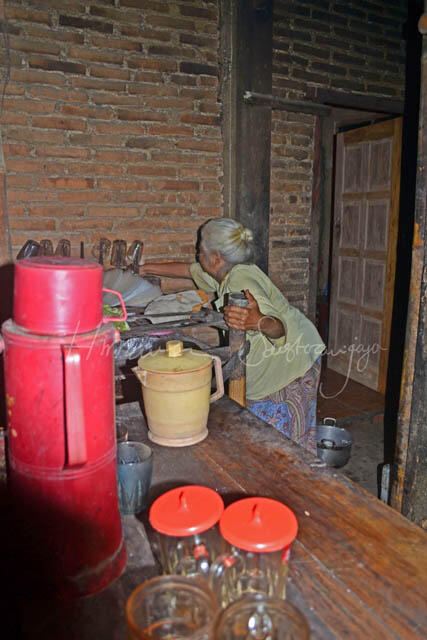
x=246, y=234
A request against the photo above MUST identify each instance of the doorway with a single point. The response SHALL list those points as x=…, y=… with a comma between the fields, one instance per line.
x=363, y=256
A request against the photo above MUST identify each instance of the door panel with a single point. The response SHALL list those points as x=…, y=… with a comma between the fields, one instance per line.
x=366, y=208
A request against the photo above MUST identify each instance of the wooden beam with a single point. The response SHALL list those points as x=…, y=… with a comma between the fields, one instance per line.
x=355, y=101
x=283, y=104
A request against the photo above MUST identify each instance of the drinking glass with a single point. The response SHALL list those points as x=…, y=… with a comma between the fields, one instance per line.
x=258, y=617
x=134, y=472
x=171, y=608
x=188, y=539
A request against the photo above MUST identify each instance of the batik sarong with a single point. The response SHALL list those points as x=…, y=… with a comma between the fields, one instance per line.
x=292, y=410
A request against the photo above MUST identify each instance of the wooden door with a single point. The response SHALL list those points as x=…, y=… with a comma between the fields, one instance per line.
x=366, y=209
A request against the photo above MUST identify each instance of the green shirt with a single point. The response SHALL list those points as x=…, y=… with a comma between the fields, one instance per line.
x=271, y=363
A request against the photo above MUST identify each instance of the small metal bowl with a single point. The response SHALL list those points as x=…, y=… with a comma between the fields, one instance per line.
x=333, y=443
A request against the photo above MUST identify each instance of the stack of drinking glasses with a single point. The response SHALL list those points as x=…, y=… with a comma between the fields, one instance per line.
x=224, y=571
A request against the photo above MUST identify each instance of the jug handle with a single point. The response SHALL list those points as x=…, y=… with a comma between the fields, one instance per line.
x=122, y=304
x=74, y=416
x=219, y=380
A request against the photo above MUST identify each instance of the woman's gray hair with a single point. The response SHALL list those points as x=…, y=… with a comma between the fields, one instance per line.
x=232, y=240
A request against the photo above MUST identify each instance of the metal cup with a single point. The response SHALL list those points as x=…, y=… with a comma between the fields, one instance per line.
x=134, y=471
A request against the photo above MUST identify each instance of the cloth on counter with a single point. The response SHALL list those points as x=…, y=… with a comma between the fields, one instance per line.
x=181, y=302
x=292, y=410
x=135, y=290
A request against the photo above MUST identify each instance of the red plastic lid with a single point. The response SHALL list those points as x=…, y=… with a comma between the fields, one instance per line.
x=258, y=524
x=186, y=510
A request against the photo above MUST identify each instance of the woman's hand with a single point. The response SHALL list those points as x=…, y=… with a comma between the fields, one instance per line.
x=250, y=317
x=243, y=318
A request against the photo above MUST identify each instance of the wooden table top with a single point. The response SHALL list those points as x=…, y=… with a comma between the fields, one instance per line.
x=358, y=569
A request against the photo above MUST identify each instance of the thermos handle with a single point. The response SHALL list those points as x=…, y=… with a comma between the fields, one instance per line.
x=74, y=416
x=122, y=304
x=219, y=380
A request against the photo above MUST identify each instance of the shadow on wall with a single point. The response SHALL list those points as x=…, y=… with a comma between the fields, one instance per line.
x=6, y=308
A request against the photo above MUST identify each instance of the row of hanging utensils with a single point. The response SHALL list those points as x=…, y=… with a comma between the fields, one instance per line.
x=122, y=256
x=44, y=248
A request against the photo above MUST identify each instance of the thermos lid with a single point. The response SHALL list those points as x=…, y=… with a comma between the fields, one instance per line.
x=174, y=359
x=258, y=524
x=185, y=511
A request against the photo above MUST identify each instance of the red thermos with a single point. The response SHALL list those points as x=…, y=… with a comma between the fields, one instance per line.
x=59, y=383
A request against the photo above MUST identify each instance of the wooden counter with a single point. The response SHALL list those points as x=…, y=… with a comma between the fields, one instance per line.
x=358, y=569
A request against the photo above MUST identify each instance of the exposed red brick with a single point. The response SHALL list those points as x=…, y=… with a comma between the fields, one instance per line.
x=63, y=152
x=153, y=89
x=58, y=94
x=83, y=196
x=39, y=77
x=156, y=130
x=174, y=158
x=14, y=118
x=115, y=43
x=118, y=128
x=30, y=196
x=13, y=13
x=140, y=196
x=21, y=165
x=97, y=113
x=194, y=118
x=171, y=23
x=113, y=211
x=48, y=33
x=79, y=224
x=122, y=185
x=176, y=185
x=30, y=224
x=200, y=145
x=19, y=181
x=34, y=46
x=66, y=183
x=120, y=156
x=55, y=211
x=32, y=135
x=109, y=72
x=98, y=85
x=151, y=170
x=137, y=114
x=29, y=106
x=154, y=64
x=50, y=64
x=115, y=14
x=94, y=168
x=59, y=123
x=114, y=99
x=95, y=55
x=16, y=150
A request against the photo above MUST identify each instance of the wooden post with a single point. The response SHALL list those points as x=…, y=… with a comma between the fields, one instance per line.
x=247, y=35
x=409, y=472
x=237, y=384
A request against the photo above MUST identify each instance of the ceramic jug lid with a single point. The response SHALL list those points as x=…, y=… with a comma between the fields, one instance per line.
x=258, y=524
x=174, y=359
x=186, y=510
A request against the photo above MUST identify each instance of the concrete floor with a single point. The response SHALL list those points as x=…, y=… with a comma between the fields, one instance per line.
x=361, y=411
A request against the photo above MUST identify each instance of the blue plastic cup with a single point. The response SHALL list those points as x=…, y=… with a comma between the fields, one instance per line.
x=134, y=471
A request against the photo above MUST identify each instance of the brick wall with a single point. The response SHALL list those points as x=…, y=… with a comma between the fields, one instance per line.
x=343, y=45
x=111, y=117
x=110, y=121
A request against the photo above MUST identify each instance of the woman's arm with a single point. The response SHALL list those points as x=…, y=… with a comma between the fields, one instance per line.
x=250, y=317
x=166, y=269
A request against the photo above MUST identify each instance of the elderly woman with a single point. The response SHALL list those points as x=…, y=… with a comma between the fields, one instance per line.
x=283, y=364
